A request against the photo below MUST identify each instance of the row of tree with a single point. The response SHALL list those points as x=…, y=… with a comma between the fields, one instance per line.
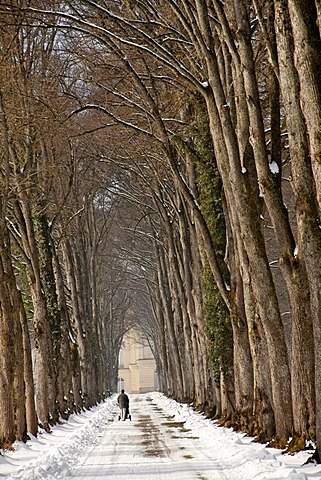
x=58, y=354
x=198, y=123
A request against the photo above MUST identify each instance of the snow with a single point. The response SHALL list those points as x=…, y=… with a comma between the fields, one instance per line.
x=274, y=167
x=153, y=446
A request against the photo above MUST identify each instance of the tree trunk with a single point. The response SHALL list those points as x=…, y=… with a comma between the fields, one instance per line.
x=243, y=367
x=160, y=340
x=65, y=373
x=8, y=348
x=19, y=364
x=48, y=285
x=178, y=327
x=307, y=55
x=31, y=414
x=261, y=420
x=80, y=380
x=270, y=186
x=44, y=371
x=229, y=164
x=173, y=357
x=194, y=262
x=242, y=359
x=263, y=286
x=191, y=332
x=309, y=241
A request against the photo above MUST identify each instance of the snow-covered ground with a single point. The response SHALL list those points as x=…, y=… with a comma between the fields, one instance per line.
x=164, y=440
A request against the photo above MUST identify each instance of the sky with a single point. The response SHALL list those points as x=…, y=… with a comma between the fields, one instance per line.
x=165, y=440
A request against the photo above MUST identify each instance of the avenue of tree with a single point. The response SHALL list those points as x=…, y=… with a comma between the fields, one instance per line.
x=161, y=168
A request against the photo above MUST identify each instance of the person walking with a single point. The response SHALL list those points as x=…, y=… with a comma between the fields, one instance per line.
x=123, y=402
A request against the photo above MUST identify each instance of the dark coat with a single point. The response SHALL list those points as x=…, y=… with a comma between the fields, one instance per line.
x=123, y=400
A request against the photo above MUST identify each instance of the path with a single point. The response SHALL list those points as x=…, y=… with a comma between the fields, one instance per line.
x=151, y=446
x=165, y=440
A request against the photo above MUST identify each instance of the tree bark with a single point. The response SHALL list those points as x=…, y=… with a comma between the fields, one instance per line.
x=263, y=286
x=309, y=237
x=8, y=350
x=176, y=387
x=270, y=187
x=31, y=414
x=65, y=372
x=80, y=386
x=307, y=56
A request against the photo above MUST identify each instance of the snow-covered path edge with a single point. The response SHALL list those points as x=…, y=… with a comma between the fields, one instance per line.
x=52, y=456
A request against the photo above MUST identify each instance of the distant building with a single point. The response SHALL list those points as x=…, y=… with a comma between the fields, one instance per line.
x=137, y=366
